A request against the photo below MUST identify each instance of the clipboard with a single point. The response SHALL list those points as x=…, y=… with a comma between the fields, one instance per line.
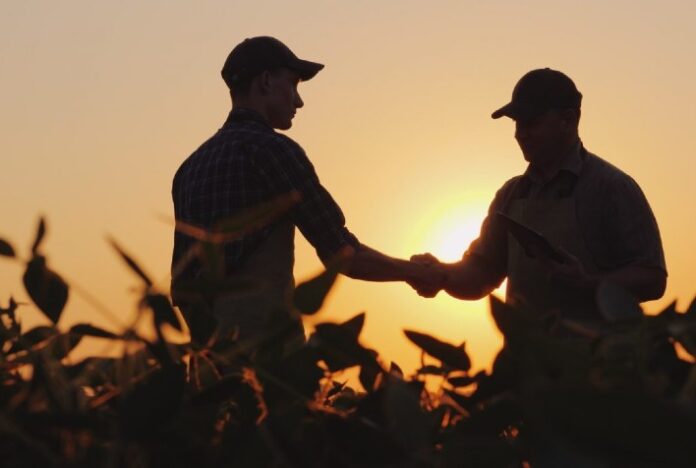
x=531, y=241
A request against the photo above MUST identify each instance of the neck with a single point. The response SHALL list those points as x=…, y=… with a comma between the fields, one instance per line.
x=249, y=104
x=548, y=167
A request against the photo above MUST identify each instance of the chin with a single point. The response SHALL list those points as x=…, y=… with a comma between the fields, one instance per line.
x=283, y=125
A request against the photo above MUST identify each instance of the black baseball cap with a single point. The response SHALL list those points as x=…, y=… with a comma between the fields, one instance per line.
x=258, y=54
x=539, y=91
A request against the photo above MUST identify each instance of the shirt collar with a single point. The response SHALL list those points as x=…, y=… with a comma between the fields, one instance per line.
x=242, y=114
x=570, y=162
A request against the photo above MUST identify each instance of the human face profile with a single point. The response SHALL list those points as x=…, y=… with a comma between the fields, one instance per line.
x=540, y=138
x=283, y=98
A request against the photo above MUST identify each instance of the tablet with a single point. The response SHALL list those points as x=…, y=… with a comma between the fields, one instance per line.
x=531, y=241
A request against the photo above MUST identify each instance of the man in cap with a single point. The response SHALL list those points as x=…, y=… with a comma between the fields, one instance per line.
x=247, y=164
x=596, y=221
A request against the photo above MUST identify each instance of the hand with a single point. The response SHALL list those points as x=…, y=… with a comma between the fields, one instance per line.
x=431, y=275
x=569, y=273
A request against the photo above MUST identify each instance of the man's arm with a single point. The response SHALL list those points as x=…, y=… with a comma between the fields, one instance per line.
x=368, y=264
x=467, y=279
x=322, y=223
x=644, y=283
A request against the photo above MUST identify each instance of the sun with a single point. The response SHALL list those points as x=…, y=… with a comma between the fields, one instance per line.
x=449, y=230
x=450, y=239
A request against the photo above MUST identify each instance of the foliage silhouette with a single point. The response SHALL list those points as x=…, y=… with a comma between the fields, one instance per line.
x=558, y=392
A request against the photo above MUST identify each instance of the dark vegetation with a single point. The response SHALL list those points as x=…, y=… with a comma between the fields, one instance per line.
x=558, y=395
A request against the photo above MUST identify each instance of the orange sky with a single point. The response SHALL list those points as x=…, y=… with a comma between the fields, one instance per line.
x=100, y=102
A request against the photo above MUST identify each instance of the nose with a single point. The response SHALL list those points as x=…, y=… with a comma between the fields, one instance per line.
x=298, y=101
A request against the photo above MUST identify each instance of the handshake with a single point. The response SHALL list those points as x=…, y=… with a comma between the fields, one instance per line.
x=429, y=276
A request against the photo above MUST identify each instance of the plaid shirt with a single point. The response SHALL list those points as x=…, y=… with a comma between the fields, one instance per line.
x=243, y=165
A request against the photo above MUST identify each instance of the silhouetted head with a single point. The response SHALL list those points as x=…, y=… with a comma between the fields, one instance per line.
x=262, y=74
x=545, y=106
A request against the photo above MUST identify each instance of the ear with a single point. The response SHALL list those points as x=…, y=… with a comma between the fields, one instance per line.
x=570, y=118
x=263, y=81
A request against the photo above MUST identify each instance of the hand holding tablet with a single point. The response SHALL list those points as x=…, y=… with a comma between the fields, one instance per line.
x=531, y=241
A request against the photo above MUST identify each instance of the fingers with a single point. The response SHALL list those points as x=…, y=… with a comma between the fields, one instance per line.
x=431, y=277
x=424, y=259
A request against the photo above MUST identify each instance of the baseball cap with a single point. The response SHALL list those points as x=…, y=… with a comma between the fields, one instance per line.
x=257, y=54
x=538, y=91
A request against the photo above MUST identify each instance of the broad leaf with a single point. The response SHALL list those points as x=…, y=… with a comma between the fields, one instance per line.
x=86, y=329
x=394, y=369
x=337, y=344
x=310, y=295
x=131, y=263
x=32, y=338
x=431, y=370
x=506, y=318
x=40, y=233
x=6, y=249
x=162, y=310
x=448, y=354
x=48, y=290
x=61, y=345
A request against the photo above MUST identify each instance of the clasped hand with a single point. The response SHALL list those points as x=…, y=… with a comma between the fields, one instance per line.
x=431, y=277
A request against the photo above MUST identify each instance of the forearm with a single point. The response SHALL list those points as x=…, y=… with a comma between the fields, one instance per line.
x=467, y=280
x=643, y=283
x=371, y=265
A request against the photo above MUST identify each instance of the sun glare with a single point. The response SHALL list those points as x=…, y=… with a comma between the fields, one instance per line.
x=452, y=238
x=451, y=230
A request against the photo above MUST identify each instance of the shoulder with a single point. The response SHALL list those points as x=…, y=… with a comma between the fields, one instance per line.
x=508, y=191
x=603, y=171
x=281, y=151
x=603, y=178
x=281, y=144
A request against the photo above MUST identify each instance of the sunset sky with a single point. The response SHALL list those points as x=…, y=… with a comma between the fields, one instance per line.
x=101, y=101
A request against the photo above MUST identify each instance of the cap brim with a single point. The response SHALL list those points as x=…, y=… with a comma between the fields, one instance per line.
x=306, y=69
x=503, y=111
x=517, y=112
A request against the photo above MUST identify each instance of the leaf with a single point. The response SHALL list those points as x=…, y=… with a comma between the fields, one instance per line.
x=394, y=369
x=645, y=431
x=40, y=233
x=204, y=289
x=61, y=345
x=152, y=403
x=86, y=329
x=461, y=381
x=33, y=337
x=406, y=420
x=162, y=310
x=616, y=304
x=336, y=388
x=669, y=312
x=369, y=377
x=691, y=311
x=310, y=295
x=6, y=249
x=448, y=354
x=338, y=346
x=201, y=323
x=218, y=392
x=431, y=370
x=506, y=318
x=242, y=224
x=48, y=290
x=354, y=325
x=131, y=263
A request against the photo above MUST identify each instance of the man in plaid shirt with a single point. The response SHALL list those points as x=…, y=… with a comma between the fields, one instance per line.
x=246, y=164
